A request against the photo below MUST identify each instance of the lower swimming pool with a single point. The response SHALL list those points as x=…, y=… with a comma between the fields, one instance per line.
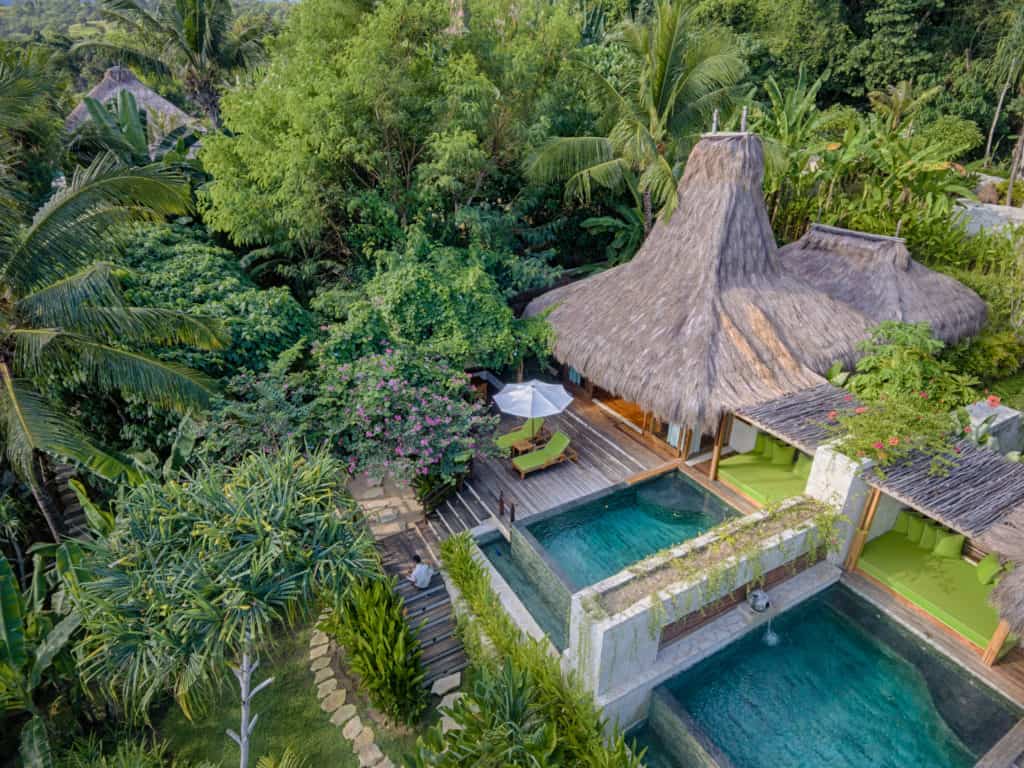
x=592, y=540
x=845, y=687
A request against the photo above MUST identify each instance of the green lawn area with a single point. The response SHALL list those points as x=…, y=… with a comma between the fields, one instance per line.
x=290, y=716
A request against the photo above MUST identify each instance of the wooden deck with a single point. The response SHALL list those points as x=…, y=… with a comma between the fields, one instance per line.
x=609, y=453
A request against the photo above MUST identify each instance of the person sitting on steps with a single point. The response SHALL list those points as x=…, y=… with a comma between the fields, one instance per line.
x=421, y=573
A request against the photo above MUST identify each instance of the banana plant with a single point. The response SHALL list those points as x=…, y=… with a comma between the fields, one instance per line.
x=30, y=643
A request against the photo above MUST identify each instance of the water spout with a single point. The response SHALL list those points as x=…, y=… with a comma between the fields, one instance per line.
x=771, y=638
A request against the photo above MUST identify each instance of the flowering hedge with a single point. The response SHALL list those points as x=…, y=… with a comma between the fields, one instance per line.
x=398, y=412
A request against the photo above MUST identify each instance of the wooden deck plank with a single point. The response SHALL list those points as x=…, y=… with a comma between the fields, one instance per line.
x=1007, y=751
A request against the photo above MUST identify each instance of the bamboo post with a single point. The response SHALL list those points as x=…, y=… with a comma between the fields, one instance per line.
x=995, y=645
x=716, y=454
x=687, y=443
x=860, y=536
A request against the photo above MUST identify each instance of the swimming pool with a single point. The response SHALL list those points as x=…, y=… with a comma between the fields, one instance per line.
x=845, y=687
x=592, y=540
x=546, y=615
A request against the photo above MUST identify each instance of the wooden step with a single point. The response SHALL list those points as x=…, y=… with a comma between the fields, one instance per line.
x=412, y=595
x=449, y=666
x=430, y=637
x=440, y=650
x=435, y=615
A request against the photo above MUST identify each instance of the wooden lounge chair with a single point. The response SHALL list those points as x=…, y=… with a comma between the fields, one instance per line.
x=555, y=452
x=529, y=431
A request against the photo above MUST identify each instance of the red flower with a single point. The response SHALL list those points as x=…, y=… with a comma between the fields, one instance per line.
x=832, y=415
x=847, y=398
x=878, y=446
x=967, y=429
x=956, y=448
x=923, y=395
x=860, y=409
x=894, y=441
x=993, y=401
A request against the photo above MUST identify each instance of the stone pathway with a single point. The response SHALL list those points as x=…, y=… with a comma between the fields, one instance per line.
x=390, y=507
x=333, y=701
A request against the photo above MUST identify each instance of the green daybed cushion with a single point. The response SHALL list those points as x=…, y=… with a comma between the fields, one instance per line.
x=946, y=588
x=928, y=536
x=949, y=545
x=783, y=455
x=530, y=428
x=556, y=446
x=915, y=527
x=902, y=521
x=764, y=483
x=988, y=568
x=802, y=468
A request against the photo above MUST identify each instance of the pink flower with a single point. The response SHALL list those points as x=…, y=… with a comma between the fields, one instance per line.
x=832, y=415
x=993, y=401
x=324, y=327
x=878, y=445
x=923, y=395
x=860, y=409
x=894, y=441
x=967, y=429
x=847, y=398
x=956, y=448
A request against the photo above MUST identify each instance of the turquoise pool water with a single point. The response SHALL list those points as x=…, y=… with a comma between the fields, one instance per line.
x=847, y=688
x=596, y=539
x=499, y=553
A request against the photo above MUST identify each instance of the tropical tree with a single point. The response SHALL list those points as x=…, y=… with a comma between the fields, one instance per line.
x=198, y=42
x=64, y=321
x=901, y=102
x=124, y=130
x=1007, y=67
x=193, y=576
x=685, y=72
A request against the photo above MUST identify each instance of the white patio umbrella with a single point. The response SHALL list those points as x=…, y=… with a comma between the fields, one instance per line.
x=533, y=399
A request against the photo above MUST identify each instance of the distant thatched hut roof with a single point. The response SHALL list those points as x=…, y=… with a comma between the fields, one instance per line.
x=876, y=275
x=118, y=79
x=704, y=320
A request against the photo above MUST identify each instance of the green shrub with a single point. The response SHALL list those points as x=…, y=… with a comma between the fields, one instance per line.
x=989, y=356
x=577, y=720
x=381, y=648
x=502, y=723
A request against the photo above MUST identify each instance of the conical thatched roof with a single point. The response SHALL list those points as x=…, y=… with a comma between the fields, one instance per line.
x=876, y=275
x=117, y=79
x=704, y=320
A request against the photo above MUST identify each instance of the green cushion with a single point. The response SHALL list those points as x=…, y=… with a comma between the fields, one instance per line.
x=783, y=454
x=760, y=443
x=927, y=540
x=765, y=483
x=915, y=527
x=529, y=429
x=556, y=446
x=803, y=465
x=900, y=526
x=988, y=568
x=947, y=588
x=948, y=544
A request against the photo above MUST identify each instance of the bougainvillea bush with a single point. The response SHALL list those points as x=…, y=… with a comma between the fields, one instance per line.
x=397, y=412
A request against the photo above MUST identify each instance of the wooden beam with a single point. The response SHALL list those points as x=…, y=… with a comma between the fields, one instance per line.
x=995, y=645
x=716, y=454
x=687, y=443
x=860, y=536
x=683, y=443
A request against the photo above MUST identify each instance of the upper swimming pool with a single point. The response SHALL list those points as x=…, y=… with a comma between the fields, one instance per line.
x=592, y=540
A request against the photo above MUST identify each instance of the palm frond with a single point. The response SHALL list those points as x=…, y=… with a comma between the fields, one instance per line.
x=31, y=424
x=612, y=175
x=74, y=226
x=150, y=326
x=122, y=54
x=561, y=158
x=59, y=303
x=163, y=383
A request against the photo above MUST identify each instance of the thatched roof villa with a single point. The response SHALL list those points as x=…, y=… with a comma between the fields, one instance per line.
x=710, y=317
x=876, y=275
x=703, y=320
x=117, y=79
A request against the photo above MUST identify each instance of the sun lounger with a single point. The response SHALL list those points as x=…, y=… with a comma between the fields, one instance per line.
x=555, y=452
x=529, y=431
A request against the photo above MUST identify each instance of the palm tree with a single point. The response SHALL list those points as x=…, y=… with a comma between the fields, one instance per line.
x=685, y=72
x=63, y=318
x=900, y=102
x=1007, y=67
x=199, y=42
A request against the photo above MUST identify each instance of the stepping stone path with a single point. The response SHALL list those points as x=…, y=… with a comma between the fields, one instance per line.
x=332, y=700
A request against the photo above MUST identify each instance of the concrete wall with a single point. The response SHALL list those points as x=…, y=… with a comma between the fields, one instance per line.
x=885, y=516
x=742, y=437
x=835, y=479
x=540, y=573
x=1005, y=427
x=611, y=653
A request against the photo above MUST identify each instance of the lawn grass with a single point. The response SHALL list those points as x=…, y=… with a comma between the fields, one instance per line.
x=290, y=716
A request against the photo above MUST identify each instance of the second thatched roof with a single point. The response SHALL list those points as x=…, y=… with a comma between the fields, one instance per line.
x=117, y=79
x=704, y=320
x=876, y=275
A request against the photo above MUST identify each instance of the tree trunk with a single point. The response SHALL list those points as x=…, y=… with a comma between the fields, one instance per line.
x=648, y=213
x=1015, y=163
x=995, y=119
x=37, y=484
x=244, y=675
